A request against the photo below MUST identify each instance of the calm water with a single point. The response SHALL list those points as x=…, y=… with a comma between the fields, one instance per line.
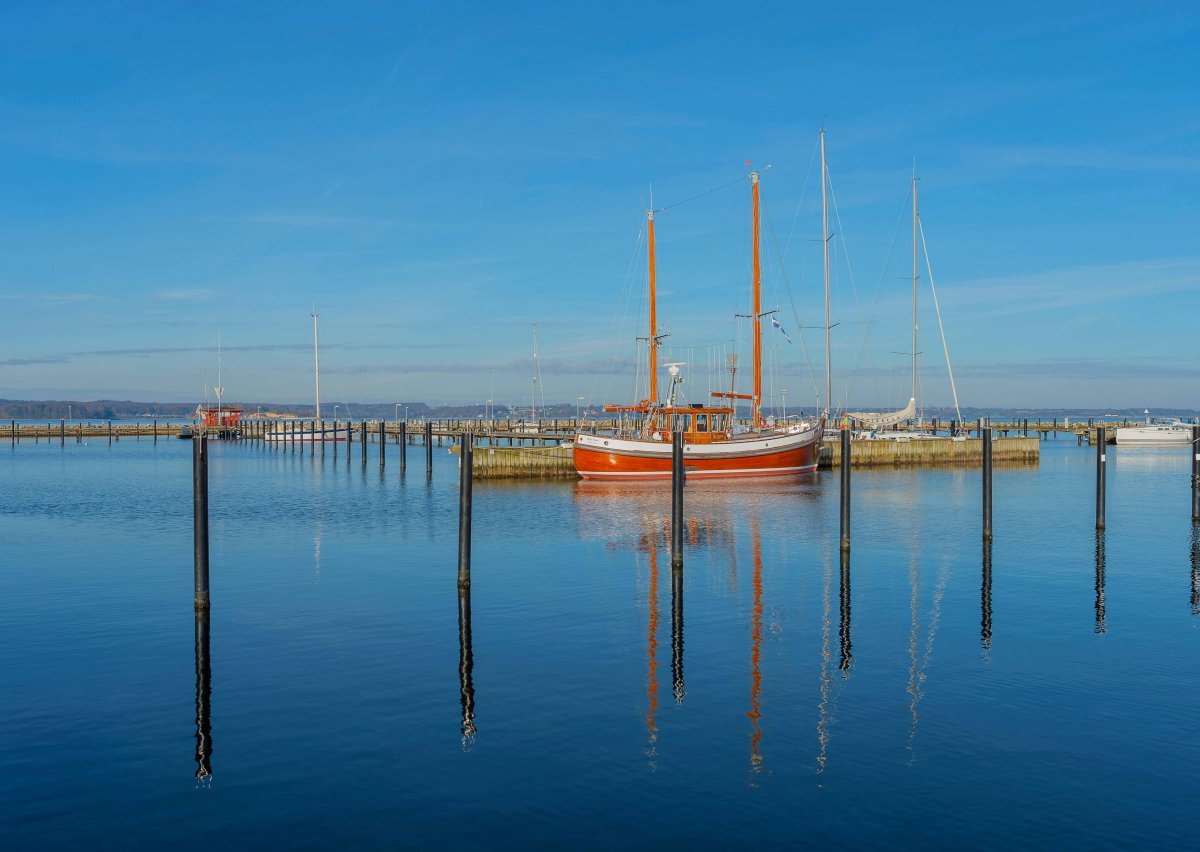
x=1056, y=708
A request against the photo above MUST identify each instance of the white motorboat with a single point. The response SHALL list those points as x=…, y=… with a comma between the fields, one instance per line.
x=1155, y=432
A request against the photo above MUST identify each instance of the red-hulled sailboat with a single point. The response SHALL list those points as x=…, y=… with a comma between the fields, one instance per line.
x=712, y=447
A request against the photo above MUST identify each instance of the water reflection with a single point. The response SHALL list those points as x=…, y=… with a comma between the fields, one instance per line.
x=844, y=627
x=1195, y=570
x=824, y=705
x=204, y=746
x=652, y=657
x=919, y=659
x=677, y=635
x=756, y=621
x=1101, y=613
x=466, y=666
x=985, y=600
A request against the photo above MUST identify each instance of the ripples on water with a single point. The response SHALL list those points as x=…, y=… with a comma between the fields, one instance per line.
x=1038, y=693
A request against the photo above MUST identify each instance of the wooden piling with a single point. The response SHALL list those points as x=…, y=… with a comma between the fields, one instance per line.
x=382, y=442
x=403, y=442
x=200, y=518
x=677, y=480
x=987, y=483
x=847, y=464
x=1195, y=474
x=466, y=447
x=428, y=446
x=1101, y=460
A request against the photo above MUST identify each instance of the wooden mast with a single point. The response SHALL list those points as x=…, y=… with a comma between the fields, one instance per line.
x=756, y=309
x=653, y=311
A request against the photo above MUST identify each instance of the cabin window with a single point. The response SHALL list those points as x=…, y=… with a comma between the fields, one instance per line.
x=701, y=422
x=718, y=423
x=681, y=423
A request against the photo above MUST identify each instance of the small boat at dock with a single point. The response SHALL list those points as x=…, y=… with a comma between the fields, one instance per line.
x=1155, y=432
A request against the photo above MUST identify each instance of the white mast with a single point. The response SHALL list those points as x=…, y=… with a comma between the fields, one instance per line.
x=914, y=282
x=219, y=390
x=316, y=365
x=825, y=241
x=533, y=379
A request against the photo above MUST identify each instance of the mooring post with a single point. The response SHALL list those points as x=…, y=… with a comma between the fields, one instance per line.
x=363, y=439
x=62, y=432
x=382, y=442
x=110, y=431
x=677, y=477
x=987, y=483
x=845, y=499
x=403, y=442
x=1195, y=474
x=428, y=445
x=200, y=517
x=155, y=432
x=466, y=447
x=12, y=434
x=1101, y=460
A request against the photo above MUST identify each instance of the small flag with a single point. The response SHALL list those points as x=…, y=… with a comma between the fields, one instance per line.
x=775, y=323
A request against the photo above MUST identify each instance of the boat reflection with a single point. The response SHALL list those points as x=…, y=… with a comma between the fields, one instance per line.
x=204, y=745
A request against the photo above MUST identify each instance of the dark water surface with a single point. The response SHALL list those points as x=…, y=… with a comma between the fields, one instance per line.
x=906, y=701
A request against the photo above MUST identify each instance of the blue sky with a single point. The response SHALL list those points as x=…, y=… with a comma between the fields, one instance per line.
x=437, y=177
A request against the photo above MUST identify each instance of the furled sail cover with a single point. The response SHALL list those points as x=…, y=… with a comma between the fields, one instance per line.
x=887, y=418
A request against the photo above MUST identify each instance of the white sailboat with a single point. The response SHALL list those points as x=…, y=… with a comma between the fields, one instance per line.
x=877, y=424
x=316, y=431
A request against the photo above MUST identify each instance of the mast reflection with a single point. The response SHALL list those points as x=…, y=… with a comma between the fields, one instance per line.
x=844, y=629
x=825, y=706
x=1101, y=613
x=204, y=746
x=985, y=599
x=756, y=623
x=466, y=665
x=652, y=654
